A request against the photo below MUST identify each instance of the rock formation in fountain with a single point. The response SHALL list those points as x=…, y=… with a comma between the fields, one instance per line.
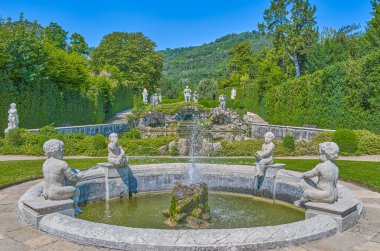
x=325, y=190
x=189, y=204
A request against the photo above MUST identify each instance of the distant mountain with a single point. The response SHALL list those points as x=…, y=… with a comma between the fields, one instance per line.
x=191, y=64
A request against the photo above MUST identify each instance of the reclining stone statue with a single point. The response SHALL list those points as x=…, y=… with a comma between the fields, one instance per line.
x=58, y=176
x=116, y=154
x=264, y=158
x=327, y=172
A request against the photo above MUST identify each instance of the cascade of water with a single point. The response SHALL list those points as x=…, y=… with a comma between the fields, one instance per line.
x=193, y=141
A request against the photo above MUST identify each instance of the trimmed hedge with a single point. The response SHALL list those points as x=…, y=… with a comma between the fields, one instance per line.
x=345, y=95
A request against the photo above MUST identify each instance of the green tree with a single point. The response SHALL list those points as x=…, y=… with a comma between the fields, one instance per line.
x=292, y=26
x=373, y=30
x=207, y=89
x=334, y=46
x=78, y=44
x=54, y=33
x=168, y=88
x=133, y=54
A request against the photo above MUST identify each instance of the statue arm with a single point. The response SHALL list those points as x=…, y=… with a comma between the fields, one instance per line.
x=69, y=173
x=312, y=173
x=268, y=152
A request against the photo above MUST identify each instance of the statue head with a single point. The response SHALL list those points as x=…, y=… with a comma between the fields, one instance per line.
x=54, y=148
x=13, y=105
x=113, y=137
x=328, y=151
x=268, y=137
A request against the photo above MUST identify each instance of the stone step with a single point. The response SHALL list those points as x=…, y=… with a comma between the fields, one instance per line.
x=256, y=119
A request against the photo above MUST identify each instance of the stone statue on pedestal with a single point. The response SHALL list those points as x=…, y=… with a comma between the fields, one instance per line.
x=155, y=99
x=187, y=93
x=58, y=176
x=12, y=118
x=145, y=96
x=195, y=97
x=233, y=93
x=265, y=156
x=222, y=101
x=325, y=190
x=116, y=154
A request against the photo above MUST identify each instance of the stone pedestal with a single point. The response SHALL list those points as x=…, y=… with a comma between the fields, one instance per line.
x=346, y=211
x=34, y=209
x=116, y=180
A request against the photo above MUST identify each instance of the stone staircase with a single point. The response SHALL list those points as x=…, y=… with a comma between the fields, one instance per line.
x=256, y=119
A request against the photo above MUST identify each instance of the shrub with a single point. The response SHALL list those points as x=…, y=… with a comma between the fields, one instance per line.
x=368, y=142
x=98, y=142
x=134, y=133
x=289, y=143
x=14, y=137
x=346, y=140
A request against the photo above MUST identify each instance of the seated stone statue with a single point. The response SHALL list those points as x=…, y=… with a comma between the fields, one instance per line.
x=116, y=154
x=327, y=172
x=265, y=156
x=56, y=171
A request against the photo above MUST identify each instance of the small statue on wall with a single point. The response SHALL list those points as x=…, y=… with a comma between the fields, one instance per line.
x=325, y=190
x=145, y=96
x=12, y=118
x=187, y=94
x=58, y=176
x=265, y=156
x=116, y=154
x=195, y=97
x=223, y=101
x=233, y=93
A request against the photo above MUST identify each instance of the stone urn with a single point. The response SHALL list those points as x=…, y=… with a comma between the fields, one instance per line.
x=189, y=204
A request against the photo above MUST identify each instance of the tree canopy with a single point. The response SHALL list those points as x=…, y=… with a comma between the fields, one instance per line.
x=133, y=54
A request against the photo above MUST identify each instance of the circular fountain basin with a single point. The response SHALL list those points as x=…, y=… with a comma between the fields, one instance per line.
x=106, y=182
x=228, y=210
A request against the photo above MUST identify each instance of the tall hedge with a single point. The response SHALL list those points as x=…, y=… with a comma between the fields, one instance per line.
x=345, y=95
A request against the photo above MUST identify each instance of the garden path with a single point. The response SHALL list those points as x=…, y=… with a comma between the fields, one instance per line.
x=119, y=117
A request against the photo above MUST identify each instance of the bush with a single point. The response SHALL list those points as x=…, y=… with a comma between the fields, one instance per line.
x=134, y=133
x=14, y=137
x=98, y=142
x=288, y=143
x=346, y=140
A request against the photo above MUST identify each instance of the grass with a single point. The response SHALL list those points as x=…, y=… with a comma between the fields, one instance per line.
x=364, y=173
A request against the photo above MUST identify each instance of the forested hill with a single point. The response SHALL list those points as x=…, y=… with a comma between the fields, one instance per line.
x=191, y=64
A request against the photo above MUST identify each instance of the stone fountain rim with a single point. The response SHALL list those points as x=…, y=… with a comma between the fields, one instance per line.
x=91, y=233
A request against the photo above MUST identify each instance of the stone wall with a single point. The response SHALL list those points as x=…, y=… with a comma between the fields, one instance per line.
x=299, y=133
x=104, y=129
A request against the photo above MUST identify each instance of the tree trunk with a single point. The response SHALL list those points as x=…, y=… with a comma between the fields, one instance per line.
x=296, y=64
x=294, y=58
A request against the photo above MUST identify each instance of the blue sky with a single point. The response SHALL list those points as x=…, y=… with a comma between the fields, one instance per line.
x=170, y=23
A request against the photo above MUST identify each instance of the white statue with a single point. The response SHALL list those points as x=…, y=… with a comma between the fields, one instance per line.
x=159, y=97
x=195, y=97
x=58, y=176
x=187, y=93
x=327, y=172
x=265, y=156
x=155, y=99
x=233, y=93
x=145, y=96
x=12, y=118
x=116, y=154
x=222, y=101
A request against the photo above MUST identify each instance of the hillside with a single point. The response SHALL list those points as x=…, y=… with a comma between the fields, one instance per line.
x=191, y=64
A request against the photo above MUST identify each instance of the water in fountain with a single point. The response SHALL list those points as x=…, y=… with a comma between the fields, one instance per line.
x=193, y=141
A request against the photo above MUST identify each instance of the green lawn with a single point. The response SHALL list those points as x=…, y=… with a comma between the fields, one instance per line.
x=365, y=173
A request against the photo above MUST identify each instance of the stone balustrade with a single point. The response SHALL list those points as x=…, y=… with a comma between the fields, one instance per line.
x=279, y=131
x=104, y=129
